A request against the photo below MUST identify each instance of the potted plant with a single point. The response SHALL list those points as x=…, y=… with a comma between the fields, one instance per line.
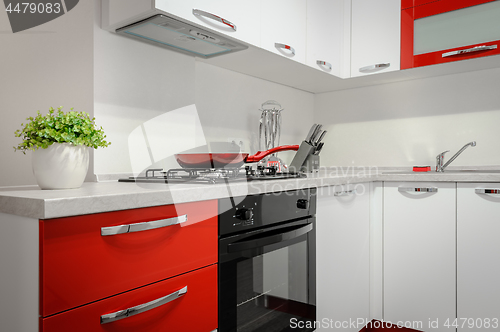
x=60, y=143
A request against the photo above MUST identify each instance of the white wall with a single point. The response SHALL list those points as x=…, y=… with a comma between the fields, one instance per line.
x=409, y=123
x=49, y=65
x=136, y=82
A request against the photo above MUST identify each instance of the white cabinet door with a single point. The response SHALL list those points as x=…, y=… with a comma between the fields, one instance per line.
x=375, y=36
x=342, y=254
x=420, y=254
x=241, y=19
x=284, y=28
x=329, y=36
x=478, y=255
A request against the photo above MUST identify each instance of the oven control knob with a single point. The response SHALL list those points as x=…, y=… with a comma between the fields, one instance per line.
x=303, y=204
x=244, y=214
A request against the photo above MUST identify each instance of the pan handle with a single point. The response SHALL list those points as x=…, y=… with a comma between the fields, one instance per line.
x=261, y=154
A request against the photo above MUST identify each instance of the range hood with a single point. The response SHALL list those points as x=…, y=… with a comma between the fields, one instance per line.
x=180, y=36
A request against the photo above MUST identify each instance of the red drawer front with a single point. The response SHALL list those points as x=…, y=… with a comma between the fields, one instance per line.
x=194, y=311
x=79, y=265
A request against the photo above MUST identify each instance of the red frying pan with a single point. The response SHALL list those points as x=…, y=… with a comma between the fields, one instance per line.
x=225, y=160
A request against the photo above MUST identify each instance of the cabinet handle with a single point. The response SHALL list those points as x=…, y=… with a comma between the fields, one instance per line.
x=112, y=317
x=142, y=226
x=469, y=50
x=488, y=191
x=325, y=64
x=286, y=47
x=198, y=12
x=345, y=193
x=410, y=189
x=374, y=68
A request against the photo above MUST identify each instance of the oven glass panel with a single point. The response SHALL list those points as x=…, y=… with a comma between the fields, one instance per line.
x=272, y=290
x=462, y=27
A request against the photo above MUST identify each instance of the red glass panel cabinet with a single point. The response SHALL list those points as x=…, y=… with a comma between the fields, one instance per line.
x=443, y=31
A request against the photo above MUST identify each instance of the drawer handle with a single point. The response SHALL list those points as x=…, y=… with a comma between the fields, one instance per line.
x=374, y=68
x=425, y=190
x=325, y=64
x=345, y=193
x=230, y=24
x=142, y=226
x=488, y=191
x=286, y=47
x=112, y=317
x=469, y=50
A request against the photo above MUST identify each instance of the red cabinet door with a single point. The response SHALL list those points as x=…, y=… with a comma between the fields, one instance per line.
x=192, y=309
x=79, y=265
x=412, y=10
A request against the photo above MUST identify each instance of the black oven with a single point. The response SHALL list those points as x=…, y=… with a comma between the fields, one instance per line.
x=267, y=246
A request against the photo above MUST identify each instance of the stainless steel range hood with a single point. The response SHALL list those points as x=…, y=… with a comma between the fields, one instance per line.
x=180, y=36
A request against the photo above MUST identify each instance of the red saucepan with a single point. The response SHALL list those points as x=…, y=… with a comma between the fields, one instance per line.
x=225, y=160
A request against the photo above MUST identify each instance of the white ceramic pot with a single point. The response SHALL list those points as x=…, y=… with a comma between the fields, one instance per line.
x=60, y=166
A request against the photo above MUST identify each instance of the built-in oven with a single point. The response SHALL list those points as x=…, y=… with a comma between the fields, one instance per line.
x=267, y=279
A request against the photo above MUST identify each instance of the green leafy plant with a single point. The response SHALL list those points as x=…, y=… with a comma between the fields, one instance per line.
x=56, y=126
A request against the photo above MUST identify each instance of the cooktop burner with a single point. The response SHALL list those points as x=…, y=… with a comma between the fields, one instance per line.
x=211, y=176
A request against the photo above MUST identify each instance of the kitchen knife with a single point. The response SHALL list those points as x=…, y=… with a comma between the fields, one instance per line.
x=321, y=136
x=318, y=148
x=311, y=132
x=316, y=133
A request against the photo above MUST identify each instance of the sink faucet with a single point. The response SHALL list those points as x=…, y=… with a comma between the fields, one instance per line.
x=440, y=157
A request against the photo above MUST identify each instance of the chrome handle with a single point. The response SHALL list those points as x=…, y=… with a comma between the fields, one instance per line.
x=142, y=226
x=345, y=193
x=286, y=47
x=112, y=317
x=488, y=191
x=374, y=68
x=325, y=64
x=411, y=189
x=198, y=12
x=469, y=50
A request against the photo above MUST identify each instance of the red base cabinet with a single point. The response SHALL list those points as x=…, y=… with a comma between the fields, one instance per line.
x=101, y=264
x=196, y=310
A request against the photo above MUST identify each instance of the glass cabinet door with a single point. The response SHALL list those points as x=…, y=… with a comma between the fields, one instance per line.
x=448, y=30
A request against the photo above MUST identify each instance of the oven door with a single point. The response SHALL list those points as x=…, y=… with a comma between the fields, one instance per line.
x=267, y=280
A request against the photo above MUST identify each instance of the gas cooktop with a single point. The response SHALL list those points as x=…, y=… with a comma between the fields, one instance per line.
x=211, y=176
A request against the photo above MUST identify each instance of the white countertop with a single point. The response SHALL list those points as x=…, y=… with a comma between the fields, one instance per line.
x=95, y=197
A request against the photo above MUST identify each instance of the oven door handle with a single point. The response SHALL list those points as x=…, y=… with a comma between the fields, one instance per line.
x=259, y=242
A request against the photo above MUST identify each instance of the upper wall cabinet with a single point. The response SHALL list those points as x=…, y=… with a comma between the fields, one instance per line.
x=375, y=44
x=283, y=28
x=240, y=20
x=448, y=30
x=329, y=36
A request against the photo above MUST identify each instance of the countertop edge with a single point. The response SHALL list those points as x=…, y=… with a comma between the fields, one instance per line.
x=113, y=196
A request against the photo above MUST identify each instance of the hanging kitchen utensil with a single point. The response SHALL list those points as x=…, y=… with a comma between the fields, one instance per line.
x=270, y=132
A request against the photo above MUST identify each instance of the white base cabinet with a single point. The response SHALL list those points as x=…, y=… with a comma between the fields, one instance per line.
x=342, y=263
x=419, y=254
x=478, y=255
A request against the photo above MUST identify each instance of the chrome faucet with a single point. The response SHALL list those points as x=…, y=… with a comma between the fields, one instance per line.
x=440, y=157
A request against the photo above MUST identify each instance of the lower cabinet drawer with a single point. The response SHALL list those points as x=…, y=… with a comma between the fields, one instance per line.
x=83, y=259
x=189, y=304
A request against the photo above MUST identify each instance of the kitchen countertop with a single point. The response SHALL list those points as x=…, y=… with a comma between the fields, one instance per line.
x=95, y=197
